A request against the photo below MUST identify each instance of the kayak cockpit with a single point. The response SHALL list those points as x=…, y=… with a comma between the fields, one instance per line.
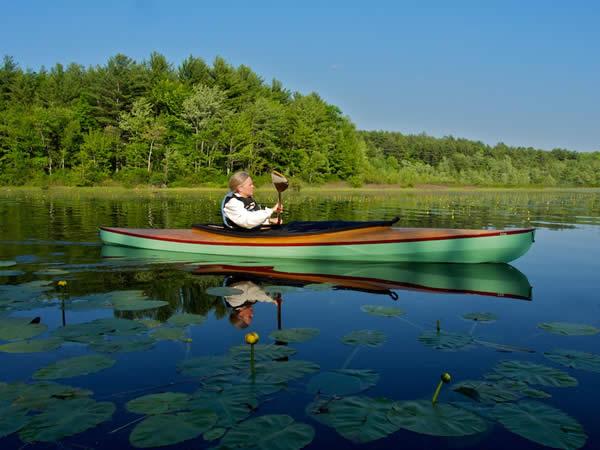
x=295, y=228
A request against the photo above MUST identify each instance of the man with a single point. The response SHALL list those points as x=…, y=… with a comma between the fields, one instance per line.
x=240, y=210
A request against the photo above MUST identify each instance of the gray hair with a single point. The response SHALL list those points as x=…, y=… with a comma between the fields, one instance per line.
x=237, y=179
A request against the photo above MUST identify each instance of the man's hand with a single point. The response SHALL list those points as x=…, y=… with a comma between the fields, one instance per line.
x=278, y=207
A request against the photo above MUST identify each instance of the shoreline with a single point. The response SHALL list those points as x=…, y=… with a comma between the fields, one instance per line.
x=333, y=187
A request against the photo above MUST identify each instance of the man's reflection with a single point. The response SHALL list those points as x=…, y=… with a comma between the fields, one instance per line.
x=241, y=304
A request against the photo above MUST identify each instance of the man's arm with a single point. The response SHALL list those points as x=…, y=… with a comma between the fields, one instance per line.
x=235, y=211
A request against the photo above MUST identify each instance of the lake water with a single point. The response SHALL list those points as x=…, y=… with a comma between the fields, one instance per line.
x=360, y=349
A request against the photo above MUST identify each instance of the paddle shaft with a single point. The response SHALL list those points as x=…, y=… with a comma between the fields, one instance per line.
x=279, y=212
x=281, y=184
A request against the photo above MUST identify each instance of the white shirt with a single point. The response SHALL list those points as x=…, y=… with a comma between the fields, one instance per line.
x=235, y=211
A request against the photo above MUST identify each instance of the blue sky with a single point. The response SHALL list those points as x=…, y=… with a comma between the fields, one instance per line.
x=524, y=73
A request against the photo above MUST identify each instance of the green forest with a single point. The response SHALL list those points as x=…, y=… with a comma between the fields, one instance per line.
x=154, y=123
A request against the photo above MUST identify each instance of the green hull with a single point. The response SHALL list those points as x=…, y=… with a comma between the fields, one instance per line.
x=500, y=280
x=497, y=248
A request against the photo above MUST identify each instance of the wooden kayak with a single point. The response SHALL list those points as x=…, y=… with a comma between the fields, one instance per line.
x=497, y=280
x=334, y=241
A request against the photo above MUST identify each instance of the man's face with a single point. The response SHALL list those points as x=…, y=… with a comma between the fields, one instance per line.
x=246, y=314
x=246, y=189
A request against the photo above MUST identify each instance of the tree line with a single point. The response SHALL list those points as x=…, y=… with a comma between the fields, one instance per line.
x=410, y=159
x=150, y=122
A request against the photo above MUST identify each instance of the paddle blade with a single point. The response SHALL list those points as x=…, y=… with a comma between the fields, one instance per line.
x=279, y=181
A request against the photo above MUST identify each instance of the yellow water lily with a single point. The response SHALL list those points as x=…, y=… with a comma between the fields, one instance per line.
x=251, y=338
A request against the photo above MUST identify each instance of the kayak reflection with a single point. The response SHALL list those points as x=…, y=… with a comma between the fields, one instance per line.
x=498, y=280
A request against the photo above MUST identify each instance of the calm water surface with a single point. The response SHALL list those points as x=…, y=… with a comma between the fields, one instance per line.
x=336, y=395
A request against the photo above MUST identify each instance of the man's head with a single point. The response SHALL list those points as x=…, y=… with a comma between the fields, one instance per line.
x=241, y=317
x=241, y=183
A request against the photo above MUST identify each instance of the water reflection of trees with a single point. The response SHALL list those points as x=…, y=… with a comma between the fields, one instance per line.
x=184, y=292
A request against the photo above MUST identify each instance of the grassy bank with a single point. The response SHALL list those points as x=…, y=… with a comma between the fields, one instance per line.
x=268, y=190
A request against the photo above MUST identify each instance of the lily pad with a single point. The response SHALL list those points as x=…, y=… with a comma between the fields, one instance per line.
x=522, y=388
x=262, y=352
x=532, y=373
x=81, y=332
x=169, y=429
x=446, y=340
x=11, y=419
x=27, y=305
x=23, y=296
x=480, y=317
x=358, y=419
x=483, y=410
x=133, y=301
x=87, y=303
x=382, y=311
x=342, y=382
x=168, y=334
x=574, y=359
x=493, y=377
x=207, y=366
x=541, y=423
x=149, y=323
x=19, y=328
x=152, y=404
x=214, y=433
x=294, y=334
x=486, y=392
x=241, y=382
x=66, y=418
x=123, y=344
x=370, y=338
x=504, y=348
x=91, y=331
x=183, y=320
x=231, y=405
x=269, y=432
x=119, y=327
x=39, y=395
x=31, y=346
x=11, y=273
x=74, y=367
x=569, y=329
x=223, y=291
x=275, y=372
x=441, y=419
